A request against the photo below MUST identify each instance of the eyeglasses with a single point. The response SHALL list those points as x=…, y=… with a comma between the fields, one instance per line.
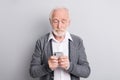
x=63, y=21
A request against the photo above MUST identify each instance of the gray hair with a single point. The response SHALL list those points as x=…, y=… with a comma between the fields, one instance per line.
x=57, y=8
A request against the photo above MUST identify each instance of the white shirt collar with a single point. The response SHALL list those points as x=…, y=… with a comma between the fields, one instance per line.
x=67, y=36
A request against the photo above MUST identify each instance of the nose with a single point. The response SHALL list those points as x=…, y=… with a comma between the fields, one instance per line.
x=59, y=25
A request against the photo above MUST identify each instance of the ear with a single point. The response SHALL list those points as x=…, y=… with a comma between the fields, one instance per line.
x=69, y=22
x=50, y=21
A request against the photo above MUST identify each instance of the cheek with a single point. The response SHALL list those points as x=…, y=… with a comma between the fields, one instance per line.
x=66, y=26
x=53, y=26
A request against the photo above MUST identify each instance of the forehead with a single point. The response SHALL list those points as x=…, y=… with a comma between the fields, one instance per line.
x=60, y=13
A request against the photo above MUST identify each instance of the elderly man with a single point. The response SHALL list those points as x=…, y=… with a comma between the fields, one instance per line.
x=59, y=55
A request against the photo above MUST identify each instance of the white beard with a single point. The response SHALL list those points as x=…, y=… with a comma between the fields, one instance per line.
x=59, y=34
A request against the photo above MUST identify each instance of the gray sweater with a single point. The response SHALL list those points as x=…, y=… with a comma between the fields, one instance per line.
x=79, y=66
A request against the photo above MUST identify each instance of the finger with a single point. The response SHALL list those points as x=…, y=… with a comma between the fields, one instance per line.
x=53, y=57
x=63, y=57
x=54, y=61
x=63, y=65
x=63, y=60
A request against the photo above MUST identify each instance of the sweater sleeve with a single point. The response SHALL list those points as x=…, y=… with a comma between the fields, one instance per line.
x=37, y=68
x=82, y=68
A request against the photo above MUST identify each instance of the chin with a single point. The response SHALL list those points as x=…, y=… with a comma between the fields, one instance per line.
x=59, y=34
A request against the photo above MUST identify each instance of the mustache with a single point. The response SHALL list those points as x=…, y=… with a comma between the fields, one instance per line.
x=59, y=30
x=59, y=33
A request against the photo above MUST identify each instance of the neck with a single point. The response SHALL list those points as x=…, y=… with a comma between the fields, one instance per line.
x=59, y=38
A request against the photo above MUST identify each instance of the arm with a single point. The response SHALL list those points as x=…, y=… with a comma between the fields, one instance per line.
x=81, y=69
x=37, y=67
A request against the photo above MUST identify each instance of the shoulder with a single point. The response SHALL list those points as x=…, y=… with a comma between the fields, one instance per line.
x=43, y=38
x=77, y=41
x=76, y=38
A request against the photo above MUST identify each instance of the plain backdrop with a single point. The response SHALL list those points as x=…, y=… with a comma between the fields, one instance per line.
x=97, y=22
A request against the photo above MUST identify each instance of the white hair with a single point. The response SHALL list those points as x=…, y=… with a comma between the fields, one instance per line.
x=57, y=8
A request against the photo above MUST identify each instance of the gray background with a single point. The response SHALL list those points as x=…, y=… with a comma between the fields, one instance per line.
x=97, y=22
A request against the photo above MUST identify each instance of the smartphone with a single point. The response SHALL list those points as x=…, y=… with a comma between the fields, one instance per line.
x=58, y=54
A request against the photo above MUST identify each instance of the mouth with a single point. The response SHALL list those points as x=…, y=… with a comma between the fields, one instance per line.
x=59, y=32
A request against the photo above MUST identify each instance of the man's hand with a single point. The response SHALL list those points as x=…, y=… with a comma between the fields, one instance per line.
x=53, y=62
x=63, y=62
